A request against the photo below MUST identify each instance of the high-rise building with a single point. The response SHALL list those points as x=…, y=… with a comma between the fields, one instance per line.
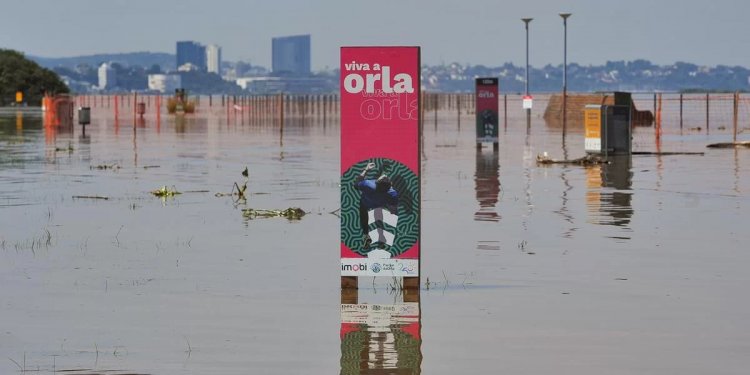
x=107, y=77
x=213, y=58
x=291, y=55
x=192, y=53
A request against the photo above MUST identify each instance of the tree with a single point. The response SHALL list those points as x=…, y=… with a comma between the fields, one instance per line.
x=200, y=82
x=17, y=73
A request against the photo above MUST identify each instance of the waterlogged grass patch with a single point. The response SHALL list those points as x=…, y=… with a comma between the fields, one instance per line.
x=291, y=213
x=105, y=166
x=165, y=192
x=68, y=149
x=238, y=190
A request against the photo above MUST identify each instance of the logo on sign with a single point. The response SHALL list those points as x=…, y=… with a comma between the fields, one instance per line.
x=354, y=267
x=376, y=267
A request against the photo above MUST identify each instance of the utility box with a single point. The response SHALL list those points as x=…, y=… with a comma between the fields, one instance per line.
x=607, y=129
x=84, y=115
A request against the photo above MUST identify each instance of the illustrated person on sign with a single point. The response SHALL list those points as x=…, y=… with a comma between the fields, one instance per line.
x=488, y=119
x=376, y=194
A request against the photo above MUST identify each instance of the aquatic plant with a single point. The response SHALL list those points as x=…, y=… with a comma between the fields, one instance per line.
x=585, y=160
x=105, y=166
x=291, y=213
x=237, y=189
x=165, y=192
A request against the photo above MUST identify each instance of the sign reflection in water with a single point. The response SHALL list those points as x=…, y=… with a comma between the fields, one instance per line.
x=487, y=185
x=609, y=197
x=381, y=338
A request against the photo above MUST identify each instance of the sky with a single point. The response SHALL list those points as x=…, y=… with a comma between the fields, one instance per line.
x=487, y=32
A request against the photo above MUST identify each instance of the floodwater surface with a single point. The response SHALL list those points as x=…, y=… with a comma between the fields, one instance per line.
x=638, y=266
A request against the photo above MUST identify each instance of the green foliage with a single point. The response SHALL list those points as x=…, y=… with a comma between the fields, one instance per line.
x=130, y=78
x=18, y=73
x=208, y=83
x=82, y=72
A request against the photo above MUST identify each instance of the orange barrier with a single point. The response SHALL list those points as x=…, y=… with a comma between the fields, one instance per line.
x=58, y=110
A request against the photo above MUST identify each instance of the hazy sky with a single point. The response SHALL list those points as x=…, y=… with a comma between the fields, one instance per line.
x=467, y=31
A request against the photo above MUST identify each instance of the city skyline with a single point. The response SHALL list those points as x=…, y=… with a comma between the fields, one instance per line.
x=480, y=32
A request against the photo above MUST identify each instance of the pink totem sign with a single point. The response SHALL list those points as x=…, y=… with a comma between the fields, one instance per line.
x=380, y=159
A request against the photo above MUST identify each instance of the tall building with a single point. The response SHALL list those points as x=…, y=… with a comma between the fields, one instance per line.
x=291, y=55
x=213, y=58
x=107, y=77
x=189, y=52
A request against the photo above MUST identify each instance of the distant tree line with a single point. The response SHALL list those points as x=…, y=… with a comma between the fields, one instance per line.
x=636, y=75
x=135, y=78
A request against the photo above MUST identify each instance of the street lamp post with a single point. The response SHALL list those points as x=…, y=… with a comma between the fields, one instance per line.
x=528, y=110
x=565, y=69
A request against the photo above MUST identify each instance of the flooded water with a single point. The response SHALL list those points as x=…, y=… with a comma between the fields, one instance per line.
x=633, y=267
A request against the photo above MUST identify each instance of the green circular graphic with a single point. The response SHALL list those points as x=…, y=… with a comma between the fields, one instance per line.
x=406, y=231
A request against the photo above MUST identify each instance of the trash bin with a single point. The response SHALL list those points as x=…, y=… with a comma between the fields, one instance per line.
x=84, y=115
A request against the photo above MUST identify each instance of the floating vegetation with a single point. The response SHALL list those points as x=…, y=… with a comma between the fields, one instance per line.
x=240, y=190
x=165, y=192
x=291, y=213
x=237, y=189
x=730, y=145
x=65, y=149
x=90, y=197
x=44, y=240
x=660, y=153
x=586, y=160
x=105, y=166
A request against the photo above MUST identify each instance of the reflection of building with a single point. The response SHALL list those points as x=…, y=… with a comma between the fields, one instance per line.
x=107, y=77
x=213, y=59
x=291, y=55
x=164, y=82
x=290, y=85
x=487, y=185
x=191, y=52
x=608, y=197
x=381, y=339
